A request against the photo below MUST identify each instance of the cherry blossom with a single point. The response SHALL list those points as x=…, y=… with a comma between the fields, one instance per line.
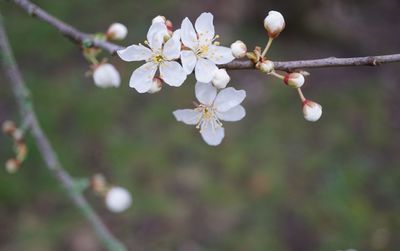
x=161, y=55
x=202, y=55
x=214, y=107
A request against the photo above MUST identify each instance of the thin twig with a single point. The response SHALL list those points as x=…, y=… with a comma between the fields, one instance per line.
x=79, y=37
x=28, y=115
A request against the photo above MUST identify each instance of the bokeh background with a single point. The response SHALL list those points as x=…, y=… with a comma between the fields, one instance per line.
x=276, y=183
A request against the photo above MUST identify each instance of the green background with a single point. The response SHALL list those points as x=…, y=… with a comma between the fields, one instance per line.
x=277, y=182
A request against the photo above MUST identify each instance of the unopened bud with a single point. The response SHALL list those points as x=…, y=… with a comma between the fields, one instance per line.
x=105, y=75
x=312, y=111
x=98, y=184
x=12, y=165
x=18, y=135
x=156, y=85
x=294, y=80
x=266, y=66
x=9, y=127
x=117, y=31
x=118, y=199
x=159, y=19
x=239, y=49
x=274, y=23
x=221, y=78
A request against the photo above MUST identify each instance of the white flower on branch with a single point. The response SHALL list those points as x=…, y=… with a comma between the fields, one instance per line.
x=312, y=111
x=118, y=199
x=161, y=55
x=202, y=54
x=214, y=107
x=274, y=23
x=105, y=75
x=117, y=31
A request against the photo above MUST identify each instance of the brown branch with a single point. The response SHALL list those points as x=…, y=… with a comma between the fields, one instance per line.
x=80, y=37
x=29, y=117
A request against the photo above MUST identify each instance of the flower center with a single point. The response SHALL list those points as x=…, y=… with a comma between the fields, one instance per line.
x=202, y=50
x=157, y=58
x=208, y=117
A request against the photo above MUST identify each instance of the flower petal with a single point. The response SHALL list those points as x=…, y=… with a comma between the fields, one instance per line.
x=142, y=77
x=228, y=98
x=205, y=70
x=177, y=35
x=212, y=136
x=205, y=93
x=188, y=34
x=172, y=73
x=187, y=116
x=220, y=54
x=135, y=53
x=155, y=35
x=205, y=28
x=234, y=114
x=189, y=61
x=172, y=49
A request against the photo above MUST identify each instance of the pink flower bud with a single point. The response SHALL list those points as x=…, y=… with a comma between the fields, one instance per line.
x=274, y=23
x=295, y=80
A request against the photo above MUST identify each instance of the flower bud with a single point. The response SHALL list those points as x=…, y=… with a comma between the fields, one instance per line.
x=274, y=23
x=9, y=127
x=220, y=79
x=98, y=184
x=118, y=199
x=159, y=19
x=266, y=66
x=12, y=165
x=117, y=31
x=239, y=49
x=156, y=85
x=105, y=75
x=295, y=80
x=312, y=111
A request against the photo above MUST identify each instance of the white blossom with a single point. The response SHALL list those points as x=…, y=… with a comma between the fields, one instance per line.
x=118, y=199
x=295, y=80
x=312, y=111
x=159, y=19
x=117, y=31
x=105, y=75
x=274, y=23
x=221, y=79
x=239, y=49
x=160, y=55
x=202, y=54
x=214, y=107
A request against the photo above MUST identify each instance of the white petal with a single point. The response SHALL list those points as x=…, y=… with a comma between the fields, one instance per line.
x=188, y=34
x=212, y=136
x=205, y=93
x=234, y=114
x=229, y=98
x=220, y=54
x=155, y=35
x=205, y=28
x=135, y=53
x=177, y=35
x=172, y=49
x=142, y=77
x=187, y=116
x=189, y=61
x=172, y=73
x=205, y=70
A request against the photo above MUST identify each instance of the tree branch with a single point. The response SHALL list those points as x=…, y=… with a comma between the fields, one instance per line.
x=78, y=37
x=28, y=115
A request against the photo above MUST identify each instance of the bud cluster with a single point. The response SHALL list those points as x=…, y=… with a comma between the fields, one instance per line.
x=20, y=148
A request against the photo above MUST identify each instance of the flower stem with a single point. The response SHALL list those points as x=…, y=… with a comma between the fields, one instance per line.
x=275, y=74
x=301, y=95
x=267, y=47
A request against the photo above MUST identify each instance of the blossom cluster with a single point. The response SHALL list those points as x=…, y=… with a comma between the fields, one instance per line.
x=171, y=55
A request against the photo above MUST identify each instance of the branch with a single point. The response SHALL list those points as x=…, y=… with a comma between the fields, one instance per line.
x=28, y=115
x=78, y=37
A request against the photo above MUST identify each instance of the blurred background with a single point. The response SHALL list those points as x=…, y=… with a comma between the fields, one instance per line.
x=277, y=182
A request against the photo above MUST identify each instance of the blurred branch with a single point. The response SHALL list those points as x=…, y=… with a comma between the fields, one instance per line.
x=79, y=37
x=29, y=118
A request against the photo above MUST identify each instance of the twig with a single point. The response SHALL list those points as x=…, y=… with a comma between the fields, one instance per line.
x=79, y=37
x=28, y=115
